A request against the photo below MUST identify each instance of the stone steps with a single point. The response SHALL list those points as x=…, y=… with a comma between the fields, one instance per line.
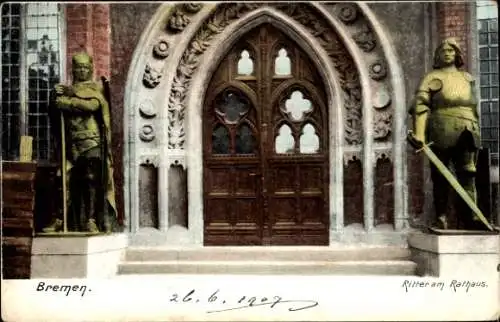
x=270, y=267
x=268, y=260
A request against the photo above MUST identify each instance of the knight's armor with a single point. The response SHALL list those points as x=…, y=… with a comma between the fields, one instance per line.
x=450, y=100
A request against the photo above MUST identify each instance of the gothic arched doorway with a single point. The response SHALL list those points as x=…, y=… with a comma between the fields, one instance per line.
x=265, y=146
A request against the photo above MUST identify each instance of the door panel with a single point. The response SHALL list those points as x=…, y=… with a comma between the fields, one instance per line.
x=265, y=146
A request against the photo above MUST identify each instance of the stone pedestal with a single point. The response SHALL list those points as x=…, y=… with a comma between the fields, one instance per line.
x=468, y=254
x=77, y=256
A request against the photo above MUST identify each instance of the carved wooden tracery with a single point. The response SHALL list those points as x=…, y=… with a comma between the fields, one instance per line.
x=254, y=194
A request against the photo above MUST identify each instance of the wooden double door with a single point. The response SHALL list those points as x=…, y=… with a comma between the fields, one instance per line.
x=265, y=146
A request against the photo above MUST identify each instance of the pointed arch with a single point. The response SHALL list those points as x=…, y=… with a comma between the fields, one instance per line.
x=194, y=93
x=200, y=81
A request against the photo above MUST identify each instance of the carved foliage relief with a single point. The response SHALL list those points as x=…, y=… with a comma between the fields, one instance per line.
x=226, y=14
x=190, y=60
x=364, y=36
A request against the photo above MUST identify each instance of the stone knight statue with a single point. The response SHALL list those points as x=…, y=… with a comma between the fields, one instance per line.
x=86, y=141
x=445, y=115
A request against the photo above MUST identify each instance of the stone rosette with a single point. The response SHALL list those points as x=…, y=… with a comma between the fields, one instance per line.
x=348, y=13
x=161, y=49
x=378, y=70
x=147, y=133
x=193, y=7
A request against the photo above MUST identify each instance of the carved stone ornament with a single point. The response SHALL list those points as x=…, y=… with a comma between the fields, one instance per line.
x=147, y=109
x=151, y=77
x=177, y=21
x=378, y=70
x=383, y=154
x=348, y=12
x=365, y=39
x=228, y=12
x=352, y=156
x=147, y=133
x=193, y=7
x=383, y=124
x=149, y=159
x=381, y=98
x=160, y=50
x=177, y=158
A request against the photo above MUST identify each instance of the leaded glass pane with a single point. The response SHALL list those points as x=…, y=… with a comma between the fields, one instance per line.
x=220, y=140
x=232, y=106
x=42, y=61
x=484, y=53
x=484, y=79
x=309, y=140
x=484, y=66
x=485, y=92
x=282, y=63
x=245, y=140
x=494, y=92
x=296, y=106
x=494, y=38
x=285, y=143
x=483, y=38
x=494, y=52
x=245, y=64
x=11, y=63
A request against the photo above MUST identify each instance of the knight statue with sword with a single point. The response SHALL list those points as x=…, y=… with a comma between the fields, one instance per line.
x=445, y=114
x=84, y=135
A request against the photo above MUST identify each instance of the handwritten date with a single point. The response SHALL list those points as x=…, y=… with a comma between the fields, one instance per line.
x=243, y=302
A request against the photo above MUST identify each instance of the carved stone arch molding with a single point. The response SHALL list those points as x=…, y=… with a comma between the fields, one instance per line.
x=173, y=65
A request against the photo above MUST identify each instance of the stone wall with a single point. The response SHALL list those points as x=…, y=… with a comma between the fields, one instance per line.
x=413, y=34
x=128, y=21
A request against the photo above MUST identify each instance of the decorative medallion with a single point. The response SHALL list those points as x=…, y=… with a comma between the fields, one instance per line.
x=160, y=50
x=365, y=39
x=193, y=7
x=151, y=77
x=378, y=70
x=348, y=12
x=177, y=21
x=147, y=109
x=381, y=97
x=147, y=133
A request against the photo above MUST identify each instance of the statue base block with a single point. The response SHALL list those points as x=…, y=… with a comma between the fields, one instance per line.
x=75, y=255
x=456, y=253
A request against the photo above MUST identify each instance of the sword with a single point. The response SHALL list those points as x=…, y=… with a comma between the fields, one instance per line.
x=452, y=180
